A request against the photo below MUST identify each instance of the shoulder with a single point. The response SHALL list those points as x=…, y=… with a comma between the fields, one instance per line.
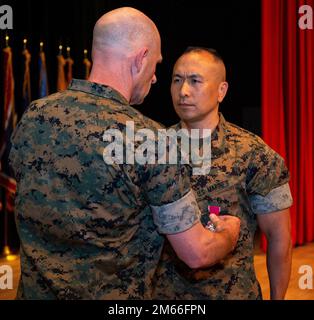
x=232, y=131
x=245, y=139
x=52, y=98
x=143, y=121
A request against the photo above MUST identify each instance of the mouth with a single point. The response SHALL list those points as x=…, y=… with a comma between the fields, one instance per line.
x=186, y=105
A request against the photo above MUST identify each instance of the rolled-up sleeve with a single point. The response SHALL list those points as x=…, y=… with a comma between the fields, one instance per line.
x=277, y=199
x=177, y=216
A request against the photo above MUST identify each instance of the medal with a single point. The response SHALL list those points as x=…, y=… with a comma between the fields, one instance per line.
x=212, y=210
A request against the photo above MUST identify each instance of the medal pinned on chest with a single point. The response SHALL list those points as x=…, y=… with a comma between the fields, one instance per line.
x=212, y=210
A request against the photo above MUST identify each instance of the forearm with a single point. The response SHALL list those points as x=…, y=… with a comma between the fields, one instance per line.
x=199, y=247
x=279, y=266
x=277, y=227
x=216, y=247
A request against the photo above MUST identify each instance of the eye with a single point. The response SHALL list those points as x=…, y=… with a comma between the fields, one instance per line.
x=195, y=81
x=176, y=80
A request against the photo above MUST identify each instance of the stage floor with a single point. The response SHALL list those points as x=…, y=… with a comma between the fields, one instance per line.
x=303, y=255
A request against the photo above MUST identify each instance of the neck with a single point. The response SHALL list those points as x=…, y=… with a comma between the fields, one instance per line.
x=113, y=75
x=209, y=122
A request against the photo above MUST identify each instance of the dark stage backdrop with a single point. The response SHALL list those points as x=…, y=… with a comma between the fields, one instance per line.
x=231, y=27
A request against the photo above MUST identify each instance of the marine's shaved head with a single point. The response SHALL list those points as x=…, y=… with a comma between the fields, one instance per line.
x=126, y=50
x=214, y=58
x=124, y=29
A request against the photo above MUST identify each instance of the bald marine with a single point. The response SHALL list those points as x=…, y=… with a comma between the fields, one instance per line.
x=126, y=49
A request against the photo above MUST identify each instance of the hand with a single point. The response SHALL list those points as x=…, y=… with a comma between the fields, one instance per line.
x=229, y=225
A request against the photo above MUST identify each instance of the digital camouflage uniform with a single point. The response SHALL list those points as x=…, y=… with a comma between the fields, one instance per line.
x=247, y=178
x=86, y=228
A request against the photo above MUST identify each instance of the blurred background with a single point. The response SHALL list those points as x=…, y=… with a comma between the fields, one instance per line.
x=268, y=55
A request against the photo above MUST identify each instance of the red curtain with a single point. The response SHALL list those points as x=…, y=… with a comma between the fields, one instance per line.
x=287, y=103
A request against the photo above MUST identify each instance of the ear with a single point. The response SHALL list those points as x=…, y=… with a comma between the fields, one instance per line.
x=222, y=91
x=138, y=60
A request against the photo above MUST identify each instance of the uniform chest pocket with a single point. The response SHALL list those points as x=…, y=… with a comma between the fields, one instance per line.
x=222, y=194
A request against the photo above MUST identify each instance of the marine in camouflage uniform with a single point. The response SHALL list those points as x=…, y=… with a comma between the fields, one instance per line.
x=247, y=178
x=86, y=228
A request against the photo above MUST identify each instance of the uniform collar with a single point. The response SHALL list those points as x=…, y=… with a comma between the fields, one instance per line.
x=218, y=136
x=97, y=89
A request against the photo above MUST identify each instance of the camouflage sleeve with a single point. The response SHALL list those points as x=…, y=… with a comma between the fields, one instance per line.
x=16, y=152
x=277, y=199
x=177, y=216
x=168, y=192
x=266, y=171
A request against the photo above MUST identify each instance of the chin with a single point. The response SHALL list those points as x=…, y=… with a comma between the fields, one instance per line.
x=185, y=116
x=137, y=101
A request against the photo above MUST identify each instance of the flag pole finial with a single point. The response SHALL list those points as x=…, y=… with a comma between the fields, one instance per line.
x=60, y=49
x=68, y=51
x=41, y=45
x=85, y=53
x=25, y=43
x=7, y=40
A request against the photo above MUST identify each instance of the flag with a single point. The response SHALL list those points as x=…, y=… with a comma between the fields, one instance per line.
x=8, y=124
x=69, y=64
x=9, y=119
x=61, y=82
x=8, y=113
x=9, y=184
x=27, y=80
x=87, y=64
x=43, y=79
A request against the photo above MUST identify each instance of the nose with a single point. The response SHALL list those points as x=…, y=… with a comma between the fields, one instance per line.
x=184, y=90
x=154, y=79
